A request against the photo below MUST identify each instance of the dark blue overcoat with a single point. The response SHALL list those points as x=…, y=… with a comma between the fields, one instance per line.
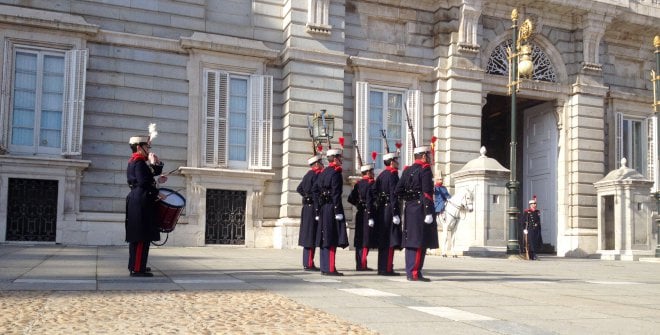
x=307, y=236
x=389, y=234
x=415, y=188
x=141, y=201
x=362, y=197
x=328, y=189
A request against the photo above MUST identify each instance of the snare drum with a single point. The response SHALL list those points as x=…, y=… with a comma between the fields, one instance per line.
x=169, y=209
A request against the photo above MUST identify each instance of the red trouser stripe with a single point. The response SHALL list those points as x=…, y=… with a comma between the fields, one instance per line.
x=331, y=260
x=390, y=259
x=418, y=260
x=138, y=256
x=363, y=261
x=310, y=257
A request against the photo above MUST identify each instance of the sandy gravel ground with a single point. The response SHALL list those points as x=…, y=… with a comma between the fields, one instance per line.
x=162, y=312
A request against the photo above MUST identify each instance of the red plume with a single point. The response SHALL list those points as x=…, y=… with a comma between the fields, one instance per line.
x=534, y=197
x=319, y=148
x=341, y=142
x=373, y=155
x=433, y=139
x=398, y=145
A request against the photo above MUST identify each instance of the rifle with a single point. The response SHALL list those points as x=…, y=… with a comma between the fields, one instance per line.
x=526, y=242
x=325, y=128
x=383, y=133
x=311, y=134
x=410, y=127
x=358, y=152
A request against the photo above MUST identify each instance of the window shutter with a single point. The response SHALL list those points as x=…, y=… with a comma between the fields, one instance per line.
x=217, y=104
x=361, y=118
x=618, y=142
x=652, y=149
x=75, y=65
x=414, y=106
x=261, y=120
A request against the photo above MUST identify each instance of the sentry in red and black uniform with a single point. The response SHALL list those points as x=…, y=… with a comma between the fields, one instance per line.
x=388, y=215
x=420, y=232
x=331, y=231
x=309, y=213
x=363, y=198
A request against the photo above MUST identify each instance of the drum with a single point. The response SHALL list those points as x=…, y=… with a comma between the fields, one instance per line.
x=169, y=209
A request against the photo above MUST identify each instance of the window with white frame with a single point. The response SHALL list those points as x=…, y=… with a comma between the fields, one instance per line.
x=634, y=141
x=238, y=120
x=44, y=114
x=380, y=108
x=318, y=16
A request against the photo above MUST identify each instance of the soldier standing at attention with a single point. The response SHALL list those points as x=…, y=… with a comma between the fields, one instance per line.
x=420, y=232
x=362, y=197
x=388, y=218
x=309, y=215
x=532, y=228
x=331, y=231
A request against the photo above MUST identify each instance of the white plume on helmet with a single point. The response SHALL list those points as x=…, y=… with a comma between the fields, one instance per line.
x=152, y=131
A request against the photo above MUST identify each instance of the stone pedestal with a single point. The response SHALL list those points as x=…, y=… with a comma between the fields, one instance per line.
x=484, y=230
x=624, y=208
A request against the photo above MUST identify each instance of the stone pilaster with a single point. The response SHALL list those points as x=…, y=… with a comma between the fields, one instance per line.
x=585, y=151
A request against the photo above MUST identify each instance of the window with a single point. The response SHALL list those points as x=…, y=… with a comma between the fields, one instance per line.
x=634, y=138
x=238, y=120
x=45, y=112
x=318, y=16
x=380, y=109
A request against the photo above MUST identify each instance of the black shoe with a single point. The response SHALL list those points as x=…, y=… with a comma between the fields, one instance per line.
x=142, y=274
x=311, y=268
x=420, y=278
x=391, y=273
x=363, y=269
x=148, y=269
x=333, y=273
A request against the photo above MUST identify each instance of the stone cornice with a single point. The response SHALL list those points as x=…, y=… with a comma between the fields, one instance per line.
x=46, y=19
x=390, y=66
x=313, y=56
x=133, y=40
x=641, y=96
x=233, y=174
x=14, y=160
x=228, y=44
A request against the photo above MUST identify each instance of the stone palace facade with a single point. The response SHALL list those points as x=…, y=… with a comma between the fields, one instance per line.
x=232, y=86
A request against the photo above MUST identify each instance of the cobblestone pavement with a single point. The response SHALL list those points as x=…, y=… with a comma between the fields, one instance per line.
x=162, y=312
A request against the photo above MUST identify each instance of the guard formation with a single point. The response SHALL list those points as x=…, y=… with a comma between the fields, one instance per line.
x=392, y=212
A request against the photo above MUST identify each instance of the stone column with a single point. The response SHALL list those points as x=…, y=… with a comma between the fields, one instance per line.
x=312, y=79
x=585, y=125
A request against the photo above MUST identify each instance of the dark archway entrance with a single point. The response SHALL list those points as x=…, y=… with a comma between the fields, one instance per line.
x=536, y=161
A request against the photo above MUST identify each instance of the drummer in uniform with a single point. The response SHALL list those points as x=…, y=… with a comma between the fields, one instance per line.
x=362, y=197
x=331, y=231
x=309, y=215
x=420, y=230
x=388, y=222
x=141, y=204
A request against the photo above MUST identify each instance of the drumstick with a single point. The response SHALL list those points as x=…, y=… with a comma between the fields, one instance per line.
x=170, y=172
